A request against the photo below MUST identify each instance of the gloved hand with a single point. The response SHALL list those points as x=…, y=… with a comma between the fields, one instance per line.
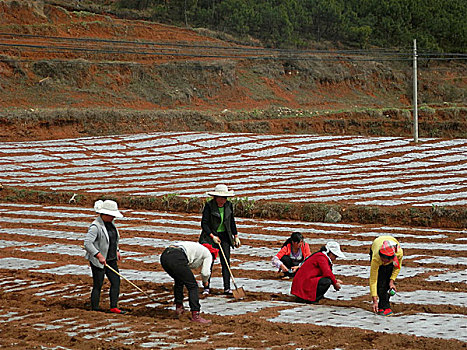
x=216, y=239
x=237, y=242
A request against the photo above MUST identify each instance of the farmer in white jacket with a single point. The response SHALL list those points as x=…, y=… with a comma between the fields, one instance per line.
x=101, y=245
x=178, y=260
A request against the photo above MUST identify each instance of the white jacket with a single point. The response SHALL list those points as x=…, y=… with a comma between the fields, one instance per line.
x=198, y=256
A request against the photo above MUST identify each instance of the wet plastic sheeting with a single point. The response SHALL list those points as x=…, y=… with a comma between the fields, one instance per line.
x=7, y=243
x=431, y=297
x=364, y=271
x=290, y=164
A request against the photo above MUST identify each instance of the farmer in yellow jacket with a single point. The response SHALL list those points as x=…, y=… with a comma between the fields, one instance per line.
x=386, y=259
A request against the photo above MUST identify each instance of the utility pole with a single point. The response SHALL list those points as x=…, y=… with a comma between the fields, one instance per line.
x=415, y=102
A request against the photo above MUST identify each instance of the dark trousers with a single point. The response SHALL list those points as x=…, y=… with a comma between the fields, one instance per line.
x=289, y=263
x=98, y=280
x=323, y=285
x=224, y=264
x=175, y=262
x=382, y=286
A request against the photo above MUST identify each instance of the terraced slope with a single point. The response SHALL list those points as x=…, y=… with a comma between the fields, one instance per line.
x=295, y=168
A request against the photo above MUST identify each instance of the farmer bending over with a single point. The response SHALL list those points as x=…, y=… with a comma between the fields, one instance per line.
x=386, y=259
x=178, y=260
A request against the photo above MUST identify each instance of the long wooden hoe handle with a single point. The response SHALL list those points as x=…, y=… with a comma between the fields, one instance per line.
x=227, y=263
x=134, y=285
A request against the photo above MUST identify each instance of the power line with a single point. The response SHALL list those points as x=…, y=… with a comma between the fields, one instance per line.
x=243, y=48
x=124, y=47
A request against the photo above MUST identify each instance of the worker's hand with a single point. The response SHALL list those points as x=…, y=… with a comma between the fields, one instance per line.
x=216, y=239
x=101, y=258
x=119, y=256
x=375, y=305
x=284, y=268
x=294, y=268
x=392, y=285
x=337, y=286
x=237, y=242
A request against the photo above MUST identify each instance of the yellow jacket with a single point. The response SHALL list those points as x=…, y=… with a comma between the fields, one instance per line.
x=376, y=261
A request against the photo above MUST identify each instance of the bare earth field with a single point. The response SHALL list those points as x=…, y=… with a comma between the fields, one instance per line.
x=97, y=106
x=46, y=282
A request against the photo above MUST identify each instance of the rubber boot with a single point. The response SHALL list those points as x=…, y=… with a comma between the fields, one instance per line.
x=196, y=317
x=179, y=309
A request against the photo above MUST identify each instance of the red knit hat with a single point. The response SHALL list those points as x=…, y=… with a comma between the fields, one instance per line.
x=212, y=250
x=389, y=250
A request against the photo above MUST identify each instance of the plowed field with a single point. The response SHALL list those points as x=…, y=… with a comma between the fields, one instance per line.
x=45, y=280
x=386, y=171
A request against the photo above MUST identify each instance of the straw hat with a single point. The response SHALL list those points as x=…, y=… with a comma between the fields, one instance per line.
x=108, y=207
x=335, y=248
x=221, y=191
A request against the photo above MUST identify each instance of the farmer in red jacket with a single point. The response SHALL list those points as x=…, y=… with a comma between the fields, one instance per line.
x=315, y=276
x=293, y=252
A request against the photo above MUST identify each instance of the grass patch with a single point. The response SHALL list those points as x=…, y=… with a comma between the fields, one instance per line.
x=436, y=216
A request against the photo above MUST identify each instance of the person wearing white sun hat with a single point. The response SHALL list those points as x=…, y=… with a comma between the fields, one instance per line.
x=219, y=228
x=314, y=277
x=101, y=245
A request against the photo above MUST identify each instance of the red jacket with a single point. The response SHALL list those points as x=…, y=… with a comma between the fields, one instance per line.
x=306, y=279
x=287, y=250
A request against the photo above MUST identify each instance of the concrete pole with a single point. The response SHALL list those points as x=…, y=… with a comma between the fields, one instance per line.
x=415, y=102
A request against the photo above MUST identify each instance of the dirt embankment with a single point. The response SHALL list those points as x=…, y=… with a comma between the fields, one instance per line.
x=77, y=72
x=37, y=123
x=454, y=217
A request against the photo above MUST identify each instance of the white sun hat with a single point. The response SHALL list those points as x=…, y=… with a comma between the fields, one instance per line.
x=108, y=207
x=335, y=248
x=221, y=191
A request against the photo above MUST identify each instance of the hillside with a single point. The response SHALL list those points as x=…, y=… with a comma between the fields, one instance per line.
x=93, y=106
x=67, y=71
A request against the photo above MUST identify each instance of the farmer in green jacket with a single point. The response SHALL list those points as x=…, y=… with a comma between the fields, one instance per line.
x=219, y=228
